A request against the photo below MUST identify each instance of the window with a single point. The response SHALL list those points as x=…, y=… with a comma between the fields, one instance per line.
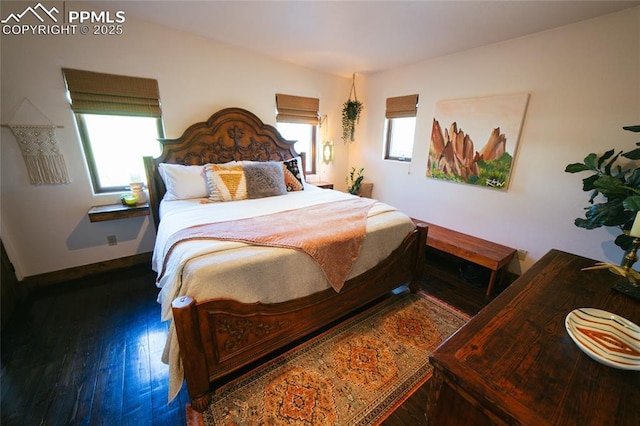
x=400, y=127
x=114, y=146
x=297, y=119
x=400, y=134
x=119, y=121
x=305, y=135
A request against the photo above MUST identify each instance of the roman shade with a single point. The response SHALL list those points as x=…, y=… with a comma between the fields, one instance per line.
x=402, y=106
x=99, y=93
x=297, y=109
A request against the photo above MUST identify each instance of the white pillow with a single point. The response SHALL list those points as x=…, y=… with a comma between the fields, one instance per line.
x=183, y=182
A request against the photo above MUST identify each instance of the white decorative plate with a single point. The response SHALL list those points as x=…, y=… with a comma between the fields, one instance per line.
x=605, y=337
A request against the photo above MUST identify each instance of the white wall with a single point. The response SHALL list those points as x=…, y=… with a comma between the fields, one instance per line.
x=584, y=85
x=45, y=227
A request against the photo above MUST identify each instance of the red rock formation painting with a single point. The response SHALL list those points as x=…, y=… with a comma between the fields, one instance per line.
x=453, y=152
x=469, y=139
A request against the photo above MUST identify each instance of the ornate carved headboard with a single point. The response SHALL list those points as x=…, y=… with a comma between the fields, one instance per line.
x=229, y=134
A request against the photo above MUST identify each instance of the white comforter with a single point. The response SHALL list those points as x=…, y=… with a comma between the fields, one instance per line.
x=225, y=269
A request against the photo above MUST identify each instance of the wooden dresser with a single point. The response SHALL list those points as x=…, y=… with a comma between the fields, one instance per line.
x=514, y=362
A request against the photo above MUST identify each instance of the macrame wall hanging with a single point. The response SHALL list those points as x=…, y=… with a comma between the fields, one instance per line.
x=39, y=146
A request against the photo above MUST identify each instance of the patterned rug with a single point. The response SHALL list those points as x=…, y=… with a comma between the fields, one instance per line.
x=354, y=374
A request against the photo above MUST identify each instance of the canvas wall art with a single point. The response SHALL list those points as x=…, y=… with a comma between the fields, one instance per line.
x=473, y=141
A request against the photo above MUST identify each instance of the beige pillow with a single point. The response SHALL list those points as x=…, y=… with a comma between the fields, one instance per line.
x=226, y=182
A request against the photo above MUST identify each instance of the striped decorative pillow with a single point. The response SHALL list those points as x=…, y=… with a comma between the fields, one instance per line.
x=226, y=182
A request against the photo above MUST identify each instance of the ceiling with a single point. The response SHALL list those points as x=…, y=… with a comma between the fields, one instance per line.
x=343, y=37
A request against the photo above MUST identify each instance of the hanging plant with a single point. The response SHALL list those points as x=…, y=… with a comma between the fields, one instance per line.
x=351, y=114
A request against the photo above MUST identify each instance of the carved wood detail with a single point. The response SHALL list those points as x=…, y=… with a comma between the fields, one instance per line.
x=201, y=403
x=231, y=134
x=241, y=332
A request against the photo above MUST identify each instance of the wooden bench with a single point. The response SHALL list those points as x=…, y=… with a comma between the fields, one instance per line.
x=481, y=252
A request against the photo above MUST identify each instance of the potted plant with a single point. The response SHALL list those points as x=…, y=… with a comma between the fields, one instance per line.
x=615, y=191
x=354, y=180
x=351, y=113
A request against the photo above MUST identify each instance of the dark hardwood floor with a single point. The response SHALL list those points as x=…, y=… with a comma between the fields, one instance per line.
x=88, y=352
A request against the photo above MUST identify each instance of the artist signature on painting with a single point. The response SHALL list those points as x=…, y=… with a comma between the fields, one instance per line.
x=494, y=183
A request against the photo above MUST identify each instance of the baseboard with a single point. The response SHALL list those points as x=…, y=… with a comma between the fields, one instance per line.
x=50, y=278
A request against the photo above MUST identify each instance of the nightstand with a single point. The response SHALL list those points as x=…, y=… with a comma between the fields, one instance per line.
x=117, y=211
x=325, y=185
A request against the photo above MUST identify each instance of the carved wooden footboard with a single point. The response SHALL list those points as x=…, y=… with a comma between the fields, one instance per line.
x=217, y=337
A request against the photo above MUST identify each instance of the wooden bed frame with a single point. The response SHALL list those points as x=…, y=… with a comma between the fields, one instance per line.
x=217, y=337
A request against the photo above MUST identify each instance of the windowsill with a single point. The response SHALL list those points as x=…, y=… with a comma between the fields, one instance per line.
x=396, y=160
x=116, y=211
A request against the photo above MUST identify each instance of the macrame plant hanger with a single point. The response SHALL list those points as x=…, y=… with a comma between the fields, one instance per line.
x=353, y=88
x=39, y=146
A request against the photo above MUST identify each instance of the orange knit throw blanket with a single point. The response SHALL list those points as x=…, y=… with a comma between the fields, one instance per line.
x=331, y=233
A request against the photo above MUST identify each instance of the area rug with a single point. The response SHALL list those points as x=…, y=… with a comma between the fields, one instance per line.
x=354, y=374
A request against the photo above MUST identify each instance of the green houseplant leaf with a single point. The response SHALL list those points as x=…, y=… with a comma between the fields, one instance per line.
x=633, y=155
x=577, y=167
x=632, y=203
x=611, y=187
